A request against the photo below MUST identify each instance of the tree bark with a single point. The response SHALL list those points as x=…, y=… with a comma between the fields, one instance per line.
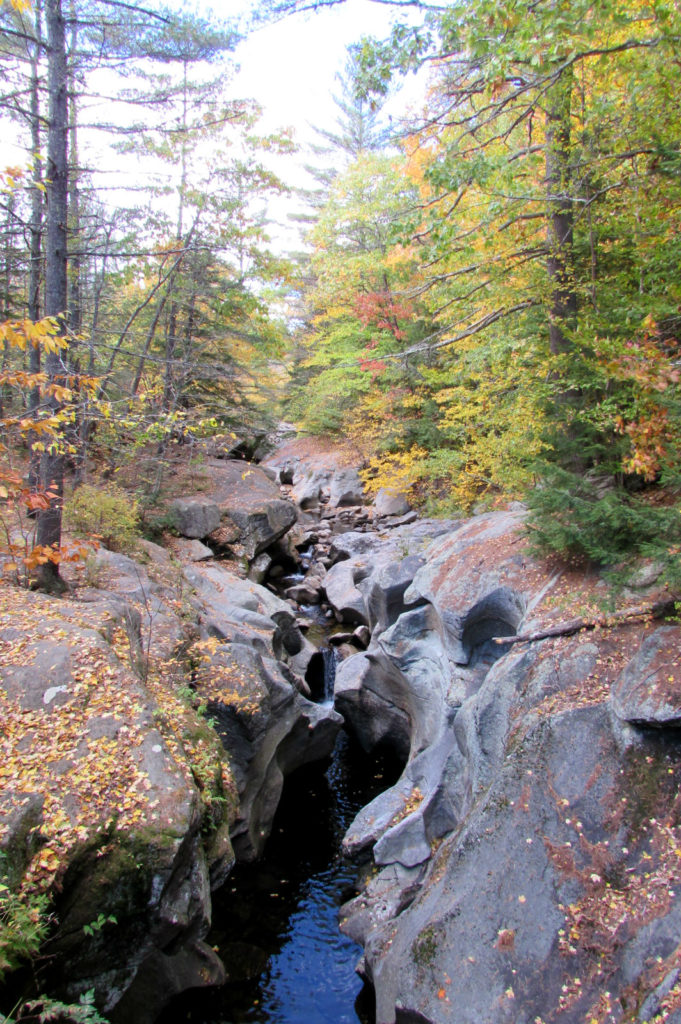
x=52, y=461
x=646, y=611
x=560, y=263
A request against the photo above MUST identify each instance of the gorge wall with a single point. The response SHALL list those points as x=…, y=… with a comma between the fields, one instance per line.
x=525, y=864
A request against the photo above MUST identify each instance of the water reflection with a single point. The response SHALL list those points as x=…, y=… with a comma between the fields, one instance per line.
x=276, y=921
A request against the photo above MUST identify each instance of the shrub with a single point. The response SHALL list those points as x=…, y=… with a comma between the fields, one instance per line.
x=571, y=515
x=23, y=927
x=107, y=512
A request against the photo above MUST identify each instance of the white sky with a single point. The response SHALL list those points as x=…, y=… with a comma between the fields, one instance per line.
x=290, y=68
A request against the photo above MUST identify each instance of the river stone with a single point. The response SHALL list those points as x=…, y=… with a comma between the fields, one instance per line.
x=391, y=503
x=345, y=488
x=515, y=768
x=342, y=593
x=384, y=590
x=307, y=489
x=260, y=527
x=259, y=568
x=648, y=692
x=251, y=511
x=348, y=545
x=165, y=975
x=305, y=593
x=194, y=517
x=366, y=694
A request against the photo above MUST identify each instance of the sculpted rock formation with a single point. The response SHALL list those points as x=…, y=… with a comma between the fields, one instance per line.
x=529, y=853
x=118, y=796
x=527, y=860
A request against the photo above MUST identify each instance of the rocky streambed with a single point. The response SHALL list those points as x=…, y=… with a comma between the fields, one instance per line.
x=525, y=861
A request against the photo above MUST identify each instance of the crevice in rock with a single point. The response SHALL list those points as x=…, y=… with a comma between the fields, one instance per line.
x=497, y=614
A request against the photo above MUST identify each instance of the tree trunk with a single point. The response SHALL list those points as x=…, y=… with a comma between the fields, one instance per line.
x=52, y=461
x=35, y=274
x=36, y=222
x=560, y=263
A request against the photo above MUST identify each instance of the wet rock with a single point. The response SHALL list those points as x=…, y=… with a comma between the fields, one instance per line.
x=336, y=639
x=164, y=975
x=304, y=593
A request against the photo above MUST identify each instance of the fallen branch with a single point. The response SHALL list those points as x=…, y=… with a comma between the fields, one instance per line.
x=653, y=611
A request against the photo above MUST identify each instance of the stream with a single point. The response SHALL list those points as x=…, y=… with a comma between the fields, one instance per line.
x=275, y=922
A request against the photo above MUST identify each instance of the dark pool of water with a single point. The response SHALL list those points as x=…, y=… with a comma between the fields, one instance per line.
x=275, y=923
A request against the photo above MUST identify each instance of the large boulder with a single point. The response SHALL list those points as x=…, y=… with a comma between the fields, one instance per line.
x=390, y=503
x=648, y=692
x=245, y=510
x=345, y=488
x=307, y=488
x=195, y=518
x=340, y=586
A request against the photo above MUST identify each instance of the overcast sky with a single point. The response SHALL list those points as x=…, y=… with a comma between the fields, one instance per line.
x=290, y=68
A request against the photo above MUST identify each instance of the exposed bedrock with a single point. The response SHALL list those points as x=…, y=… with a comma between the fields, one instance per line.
x=528, y=855
x=243, y=511
x=135, y=802
x=252, y=681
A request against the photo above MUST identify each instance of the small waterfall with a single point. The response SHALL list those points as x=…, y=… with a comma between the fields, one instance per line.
x=330, y=660
x=321, y=675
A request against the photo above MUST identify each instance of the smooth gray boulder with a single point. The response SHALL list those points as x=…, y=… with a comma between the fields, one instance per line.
x=367, y=694
x=342, y=593
x=345, y=488
x=259, y=528
x=648, y=692
x=384, y=589
x=307, y=488
x=391, y=503
x=194, y=517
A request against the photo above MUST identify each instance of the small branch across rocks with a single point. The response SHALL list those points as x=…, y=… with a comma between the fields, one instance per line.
x=657, y=610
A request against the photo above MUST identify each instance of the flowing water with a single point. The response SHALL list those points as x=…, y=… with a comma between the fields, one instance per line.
x=276, y=921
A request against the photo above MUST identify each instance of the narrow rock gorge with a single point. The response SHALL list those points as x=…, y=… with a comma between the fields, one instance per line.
x=525, y=863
